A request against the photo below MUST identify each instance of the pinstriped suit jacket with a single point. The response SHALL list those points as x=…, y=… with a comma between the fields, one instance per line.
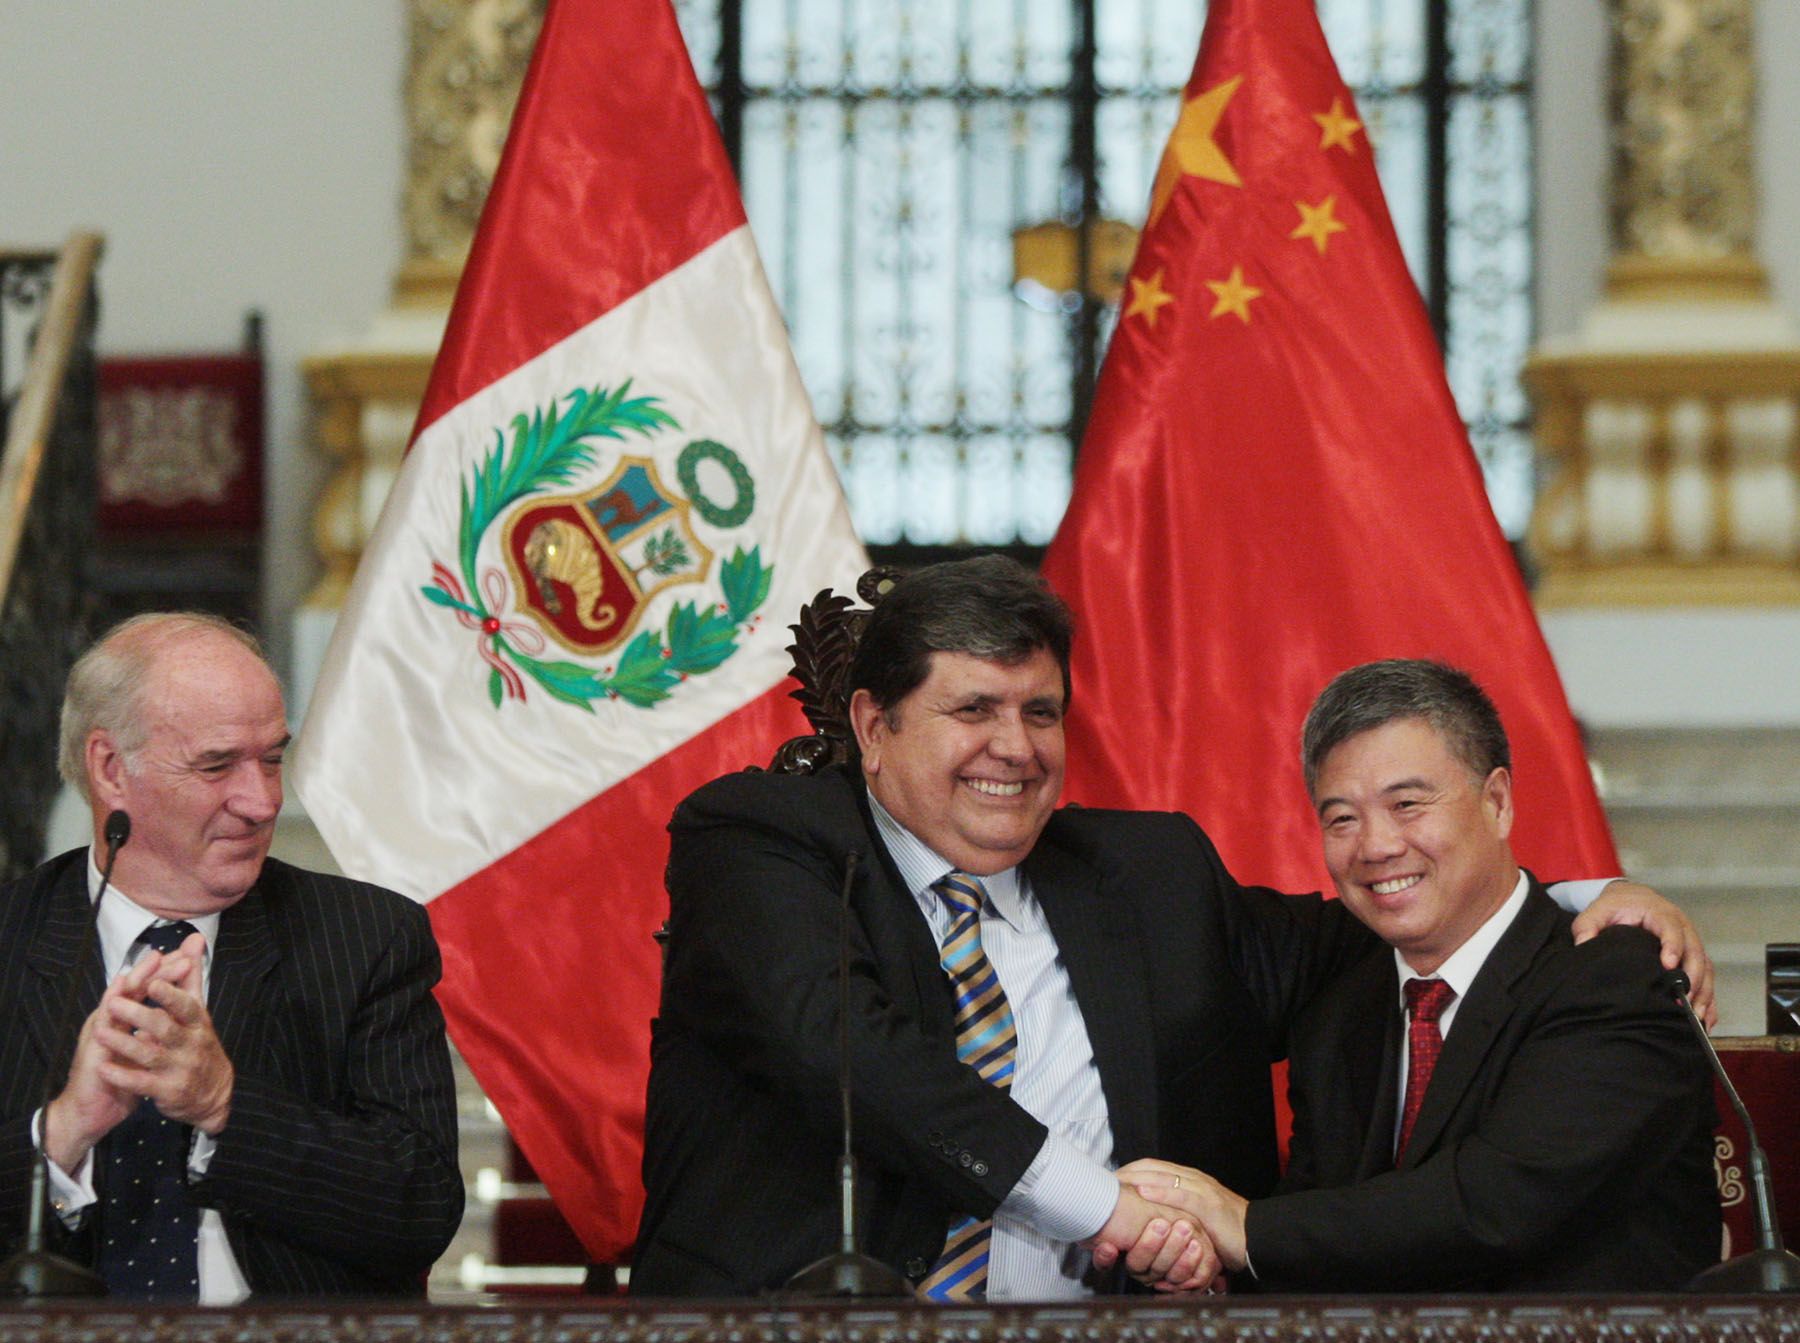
x=337, y=1170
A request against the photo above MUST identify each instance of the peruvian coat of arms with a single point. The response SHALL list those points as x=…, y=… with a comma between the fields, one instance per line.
x=586, y=545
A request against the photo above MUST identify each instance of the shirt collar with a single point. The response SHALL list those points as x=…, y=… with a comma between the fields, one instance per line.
x=1465, y=962
x=921, y=868
x=122, y=920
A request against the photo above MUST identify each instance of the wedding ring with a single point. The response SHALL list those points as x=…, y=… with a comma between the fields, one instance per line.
x=1178, y=1182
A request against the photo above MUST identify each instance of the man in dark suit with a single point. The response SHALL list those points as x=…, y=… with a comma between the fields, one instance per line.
x=261, y=1088
x=1541, y=1120
x=1142, y=992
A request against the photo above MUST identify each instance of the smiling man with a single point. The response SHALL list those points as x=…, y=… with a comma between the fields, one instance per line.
x=1486, y=1106
x=260, y=1097
x=1036, y=994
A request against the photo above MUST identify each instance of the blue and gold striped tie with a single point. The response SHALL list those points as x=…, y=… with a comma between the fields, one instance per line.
x=988, y=1043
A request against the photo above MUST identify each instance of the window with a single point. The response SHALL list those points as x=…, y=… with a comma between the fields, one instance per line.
x=895, y=156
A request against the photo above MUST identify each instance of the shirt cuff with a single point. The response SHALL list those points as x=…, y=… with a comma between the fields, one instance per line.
x=1575, y=896
x=200, y=1154
x=1064, y=1194
x=70, y=1195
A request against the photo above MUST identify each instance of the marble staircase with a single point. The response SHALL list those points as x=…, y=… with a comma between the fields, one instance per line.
x=1711, y=817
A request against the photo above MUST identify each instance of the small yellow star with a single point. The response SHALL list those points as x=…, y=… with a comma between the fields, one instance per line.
x=1233, y=294
x=1147, y=296
x=1318, y=222
x=1191, y=150
x=1338, y=126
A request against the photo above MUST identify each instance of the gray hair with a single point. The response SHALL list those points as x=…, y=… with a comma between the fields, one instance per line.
x=106, y=683
x=1378, y=693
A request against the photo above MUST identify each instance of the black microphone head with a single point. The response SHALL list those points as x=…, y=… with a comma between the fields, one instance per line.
x=118, y=830
x=1674, y=982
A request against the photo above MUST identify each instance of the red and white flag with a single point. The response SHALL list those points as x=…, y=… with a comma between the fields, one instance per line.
x=573, y=611
x=1275, y=483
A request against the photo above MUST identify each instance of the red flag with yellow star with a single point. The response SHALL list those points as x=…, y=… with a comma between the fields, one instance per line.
x=1276, y=484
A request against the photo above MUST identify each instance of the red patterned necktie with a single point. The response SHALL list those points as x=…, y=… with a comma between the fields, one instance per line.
x=1426, y=1000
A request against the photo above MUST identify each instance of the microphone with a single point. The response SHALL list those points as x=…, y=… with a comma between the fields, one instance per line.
x=1769, y=1267
x=849, y=1272
x=35, y=1272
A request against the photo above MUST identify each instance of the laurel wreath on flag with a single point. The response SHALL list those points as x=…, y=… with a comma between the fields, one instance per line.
x=548, y=449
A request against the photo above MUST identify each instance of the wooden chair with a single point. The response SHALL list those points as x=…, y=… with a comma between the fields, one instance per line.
x=825, y=641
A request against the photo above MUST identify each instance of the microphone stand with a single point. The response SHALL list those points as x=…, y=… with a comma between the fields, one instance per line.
x=34, y=1272
x=1769, y=1267
x=849, y=1272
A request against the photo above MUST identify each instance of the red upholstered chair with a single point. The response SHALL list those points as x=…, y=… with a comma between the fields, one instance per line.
x=1766, y=1071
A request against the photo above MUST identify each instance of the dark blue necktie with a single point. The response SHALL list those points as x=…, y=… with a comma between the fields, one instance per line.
x=149, y=1231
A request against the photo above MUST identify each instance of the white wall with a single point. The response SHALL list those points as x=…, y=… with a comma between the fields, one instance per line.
x=237, y=154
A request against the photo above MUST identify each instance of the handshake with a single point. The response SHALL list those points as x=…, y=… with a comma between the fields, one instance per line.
x=1175, y=1229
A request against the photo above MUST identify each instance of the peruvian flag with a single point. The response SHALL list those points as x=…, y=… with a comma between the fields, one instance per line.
x=1276, y=485
x=573, y=611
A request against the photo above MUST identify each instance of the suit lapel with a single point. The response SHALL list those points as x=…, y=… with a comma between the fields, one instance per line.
x=899, y=935
x=1479, y=1021
x=243, y=960
x=1097, y=944
x=1373, y=1064
x=60, y=937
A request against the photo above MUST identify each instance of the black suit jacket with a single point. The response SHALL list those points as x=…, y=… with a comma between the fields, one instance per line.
x=1186, y=983
x=1564, y=1144
x=336, y=1171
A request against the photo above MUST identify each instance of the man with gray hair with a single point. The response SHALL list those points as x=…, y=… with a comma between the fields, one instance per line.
x=1036, y=994
x=258, y=1097
x=1486, y=1106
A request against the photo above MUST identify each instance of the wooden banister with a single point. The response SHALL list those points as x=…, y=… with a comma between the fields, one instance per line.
x=34, y=415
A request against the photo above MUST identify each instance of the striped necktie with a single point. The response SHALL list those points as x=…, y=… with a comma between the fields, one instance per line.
x=988, y=1043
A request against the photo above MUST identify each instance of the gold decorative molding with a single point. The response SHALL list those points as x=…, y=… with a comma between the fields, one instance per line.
x=465, y=62
x=1648, y=584
x=1683, y=113
x=1048, y=255
x=1674, y=478
x=1669, y=279
x=363, y=406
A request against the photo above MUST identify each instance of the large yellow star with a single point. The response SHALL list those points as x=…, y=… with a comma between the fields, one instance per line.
x=1147, y=296
x=1191, y=150
x=1233, y=294
x=1318, y=222
x=1338, y=126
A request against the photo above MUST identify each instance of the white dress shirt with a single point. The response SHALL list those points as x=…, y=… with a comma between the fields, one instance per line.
x=1460, y=969
x=121, y=920
x=1068, y=1191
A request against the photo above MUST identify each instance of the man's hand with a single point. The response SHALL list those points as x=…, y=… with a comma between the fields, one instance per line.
x=163, y=1046
x=90, y=1105
x=1160, y=1247
x=1219, y=1212
x=1632, y=902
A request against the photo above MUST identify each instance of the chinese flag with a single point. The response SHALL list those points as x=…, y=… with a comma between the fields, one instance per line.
x=1276, y=485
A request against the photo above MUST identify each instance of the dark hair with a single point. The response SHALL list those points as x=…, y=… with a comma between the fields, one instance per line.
x=1377, y=693
x=989, y=607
